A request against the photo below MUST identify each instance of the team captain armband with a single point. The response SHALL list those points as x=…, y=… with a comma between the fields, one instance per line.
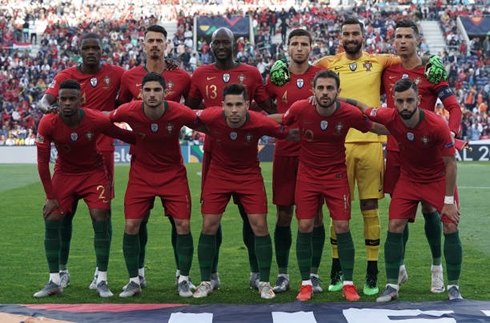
x=444, y=92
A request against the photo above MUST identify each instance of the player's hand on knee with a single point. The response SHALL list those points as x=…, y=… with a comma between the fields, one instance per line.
x=451, y=211
x=50, y=206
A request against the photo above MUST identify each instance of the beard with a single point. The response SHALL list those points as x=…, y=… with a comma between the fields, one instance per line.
x=356, y=49
x=407, y=116
x=329, y=104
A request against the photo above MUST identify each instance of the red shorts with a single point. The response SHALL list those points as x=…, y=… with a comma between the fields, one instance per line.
x=408, y=195
x=392, y=171
x=249, y=189
x=92, y=187
x=109, y=165
x=284, y=171
x=171, y=186
x=336, y=192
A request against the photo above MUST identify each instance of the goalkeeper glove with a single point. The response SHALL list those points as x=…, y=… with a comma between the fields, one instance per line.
x=435, y=70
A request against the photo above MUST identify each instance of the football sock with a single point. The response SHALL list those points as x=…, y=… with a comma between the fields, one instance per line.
x=52, y=243
x=143, y=236
x=282, y=242
x=433, y=232
x=102, y=244
x=393, y=251
x=336, y=265
x=206, y=253
x=174, y=240
x=318, y=241
x=406, y=233
x=219, y=239
x=333, y=241
x=372, y=233
x=65, y=233
x=372, y=267
x=249, y=240
x=131, y=251
x=303, y=254
x=453, y=253
x=185, y=249
x=346, y=254
x=263, y=249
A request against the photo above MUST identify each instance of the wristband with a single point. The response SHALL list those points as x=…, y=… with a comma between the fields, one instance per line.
x=448, y=199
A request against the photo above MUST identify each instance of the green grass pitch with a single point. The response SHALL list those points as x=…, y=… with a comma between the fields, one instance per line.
x=24, y=269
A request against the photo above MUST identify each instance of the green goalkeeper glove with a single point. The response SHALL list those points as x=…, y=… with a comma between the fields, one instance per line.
x=280, y=73
x=435, y=70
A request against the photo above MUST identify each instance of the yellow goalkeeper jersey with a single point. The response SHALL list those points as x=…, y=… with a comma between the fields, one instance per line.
x=360, y=79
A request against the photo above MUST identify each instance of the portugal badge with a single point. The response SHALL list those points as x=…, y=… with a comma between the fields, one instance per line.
x=324, y=124
x=226, y=77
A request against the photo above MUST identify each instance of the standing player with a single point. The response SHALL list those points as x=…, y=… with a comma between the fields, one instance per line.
x=79, y=173
x=322, y=173
x=235, y=170
x=428, y=174
x=285, y=166
x=177, y=84
x=207, y=84
x=156, y=170
x=412, y=66
x=100, y=85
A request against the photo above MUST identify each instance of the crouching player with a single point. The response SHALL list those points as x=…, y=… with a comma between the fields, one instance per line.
x=79, y=173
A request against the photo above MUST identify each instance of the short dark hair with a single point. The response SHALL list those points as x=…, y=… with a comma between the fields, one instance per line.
x=326, y=74
x=152, y=76
x=91, y=36
x=157, y=29
x=407, y=23
x=353, y=21
x=70, y=84
x=235, y=89
x=406, y=84
x=299, y=32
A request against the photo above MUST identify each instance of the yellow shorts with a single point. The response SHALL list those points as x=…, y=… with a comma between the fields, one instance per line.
x=365, y=164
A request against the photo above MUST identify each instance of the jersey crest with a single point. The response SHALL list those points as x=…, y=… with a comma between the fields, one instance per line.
x=241, y=78
x=410, y=136
x=154, y=127
x=249, y=137
x=425, y=140
x=367, y=66
x=226, y=77
x=233, y=135
x=107, y=81
x=93, y=81
x=74, y=136
x=170, y=127
x=339, y=126
x=324, y=124
x=300, y=83
x=353, y=66
x=89, y=135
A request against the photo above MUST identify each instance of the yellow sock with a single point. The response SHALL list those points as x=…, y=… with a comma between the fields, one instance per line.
x=372, y=233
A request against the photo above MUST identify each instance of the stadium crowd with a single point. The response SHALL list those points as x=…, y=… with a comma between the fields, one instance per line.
x=57, y=29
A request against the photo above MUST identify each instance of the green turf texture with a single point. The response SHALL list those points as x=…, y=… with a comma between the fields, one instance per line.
x=24, y=269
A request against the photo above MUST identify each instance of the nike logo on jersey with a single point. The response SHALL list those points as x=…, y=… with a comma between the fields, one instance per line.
x=337, y=68
x=210, y=78
x=138, y=84
x=392, y=77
